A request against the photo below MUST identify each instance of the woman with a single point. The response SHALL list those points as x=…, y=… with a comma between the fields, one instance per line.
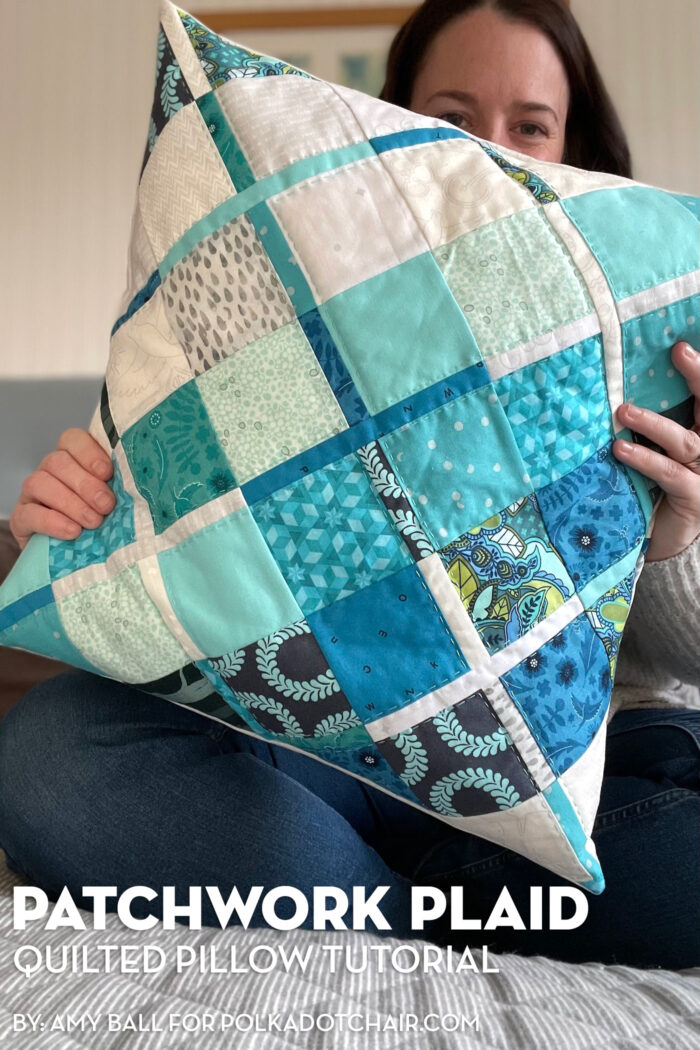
x=521, y=75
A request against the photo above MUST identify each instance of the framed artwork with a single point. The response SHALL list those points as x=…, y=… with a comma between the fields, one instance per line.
x=347, y=45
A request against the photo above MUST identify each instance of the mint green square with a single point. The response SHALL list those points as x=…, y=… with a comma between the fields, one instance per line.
x=225, y=587
x=42, y=632
x=514, y=280
x=400, y=332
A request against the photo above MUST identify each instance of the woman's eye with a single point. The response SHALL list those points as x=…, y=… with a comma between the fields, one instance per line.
x=453, y=118
x=530, y=130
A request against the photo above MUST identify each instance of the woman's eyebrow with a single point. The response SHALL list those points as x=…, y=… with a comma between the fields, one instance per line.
x=536, y=107
x=465, y=96
x=461, y=96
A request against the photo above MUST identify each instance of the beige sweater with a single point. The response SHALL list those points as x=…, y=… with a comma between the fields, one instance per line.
x=659, y=660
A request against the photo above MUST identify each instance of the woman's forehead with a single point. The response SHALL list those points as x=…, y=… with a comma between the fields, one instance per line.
x=486, y=56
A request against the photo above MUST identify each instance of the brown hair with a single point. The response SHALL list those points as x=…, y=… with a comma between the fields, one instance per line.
x=594, y=137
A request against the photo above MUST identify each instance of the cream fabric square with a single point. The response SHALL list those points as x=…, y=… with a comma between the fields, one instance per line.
x=183, y=181
x=346, y=226
x=450, y=197
x=146, y=363
x=262, y=109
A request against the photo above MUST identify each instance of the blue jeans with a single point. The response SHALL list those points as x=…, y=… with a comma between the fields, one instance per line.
x=101, y=784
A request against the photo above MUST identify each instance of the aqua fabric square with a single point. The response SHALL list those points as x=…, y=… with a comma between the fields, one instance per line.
x=558, y=409
x=405, y=306
x=388, y=644
x=95, y=545
x=655, y=237
x=330, y=534
x=30, y=573
x=651, y=380
x=458, y=463
x=592, y=516
x=513, y=280
x=175, y=457
x=563, y=691
x=508, y=575
x=246, y=596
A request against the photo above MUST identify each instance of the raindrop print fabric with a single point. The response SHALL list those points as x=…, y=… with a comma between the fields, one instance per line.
x=360, y=401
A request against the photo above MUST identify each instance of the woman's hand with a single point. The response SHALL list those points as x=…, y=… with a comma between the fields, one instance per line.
x=677, y=521
x=67, y=491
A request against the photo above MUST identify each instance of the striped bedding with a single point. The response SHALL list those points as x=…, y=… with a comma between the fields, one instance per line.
x=530, y=1003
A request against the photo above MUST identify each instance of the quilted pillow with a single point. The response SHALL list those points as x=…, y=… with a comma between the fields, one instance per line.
x=360, y=403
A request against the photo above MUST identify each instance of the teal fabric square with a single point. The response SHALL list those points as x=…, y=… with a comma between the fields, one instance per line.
x=558, y=409
x=401, y=309
x=388, y=644
x=651, y=380
x=640, y=236
x=95, y=545
x=224, y=586
x=175, y=457
x=458, y=463
x=514, y=280
x=331, y=534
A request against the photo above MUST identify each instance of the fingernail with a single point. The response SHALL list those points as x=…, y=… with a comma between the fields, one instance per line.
x=103, y=501
x=100, y=468
x=689, y=353
x=632, y=411
x=625, y=446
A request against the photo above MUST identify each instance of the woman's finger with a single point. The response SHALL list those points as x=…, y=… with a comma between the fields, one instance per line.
x=28, y=518
x=87, y=451
x=681, y=444
x=49, y=491
x=62, y=465
x=677, y=480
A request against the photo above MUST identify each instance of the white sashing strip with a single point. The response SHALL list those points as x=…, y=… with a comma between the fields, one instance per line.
x=445, y=594
x=603, y=300
x=189, y=524
x=544, y=346
x=155, y=587
x=103, y=571
x=184, y=52
x=520, y=733
x=658, y=296
x=147, y=542
x=480, y=678
x=583, y=780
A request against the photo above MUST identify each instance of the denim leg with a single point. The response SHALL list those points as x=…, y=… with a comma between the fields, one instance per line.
x=102, y=784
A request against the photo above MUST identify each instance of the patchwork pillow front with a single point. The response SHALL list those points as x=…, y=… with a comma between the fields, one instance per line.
x=360, y=403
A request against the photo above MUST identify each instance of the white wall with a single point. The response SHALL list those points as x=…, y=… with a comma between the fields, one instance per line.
x=649, y=54
x=76, y=85
x=76, y=82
